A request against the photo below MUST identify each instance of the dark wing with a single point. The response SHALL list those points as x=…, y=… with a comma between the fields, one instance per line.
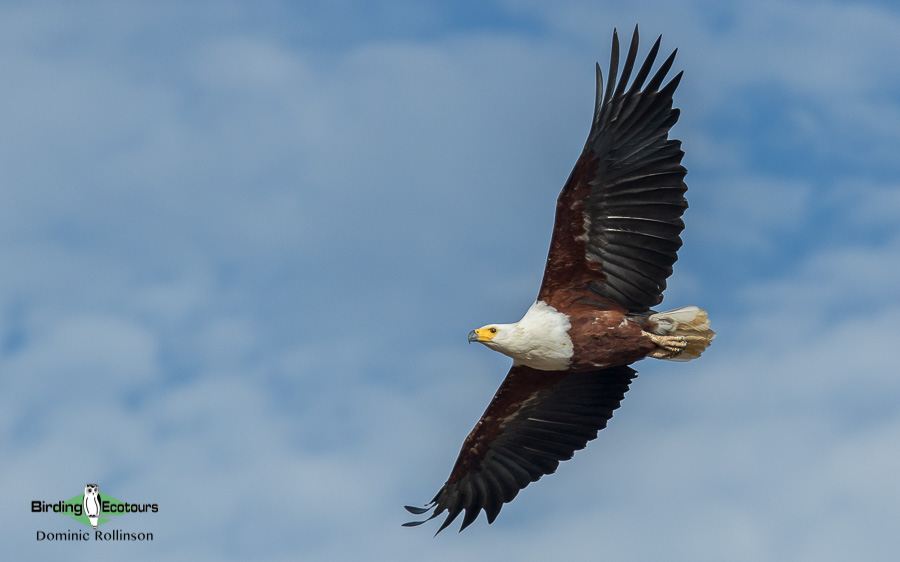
x=535, y=420
x=618, y=218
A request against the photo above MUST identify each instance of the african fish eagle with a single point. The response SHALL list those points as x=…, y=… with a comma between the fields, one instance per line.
x=615, y=237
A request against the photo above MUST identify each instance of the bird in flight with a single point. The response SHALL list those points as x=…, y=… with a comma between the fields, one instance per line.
x=615, y=238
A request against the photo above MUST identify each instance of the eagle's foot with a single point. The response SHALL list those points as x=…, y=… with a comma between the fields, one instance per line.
x=667, y=347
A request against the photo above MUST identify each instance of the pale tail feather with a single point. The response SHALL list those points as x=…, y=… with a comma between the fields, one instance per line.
x=690, y=322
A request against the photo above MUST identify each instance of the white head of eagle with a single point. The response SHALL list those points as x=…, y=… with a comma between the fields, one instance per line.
x=539, y=340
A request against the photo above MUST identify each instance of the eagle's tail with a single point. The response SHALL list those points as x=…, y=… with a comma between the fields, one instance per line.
x=690, y=323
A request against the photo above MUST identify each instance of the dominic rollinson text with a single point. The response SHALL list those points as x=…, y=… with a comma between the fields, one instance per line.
x=115, y=535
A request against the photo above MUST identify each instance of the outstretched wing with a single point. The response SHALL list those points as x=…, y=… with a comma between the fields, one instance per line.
x=535, y=420
x=618, y=218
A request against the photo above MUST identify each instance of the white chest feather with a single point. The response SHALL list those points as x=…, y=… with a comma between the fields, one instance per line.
x=539, y=340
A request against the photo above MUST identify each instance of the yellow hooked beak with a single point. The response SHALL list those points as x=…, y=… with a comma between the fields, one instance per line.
x=482, y=335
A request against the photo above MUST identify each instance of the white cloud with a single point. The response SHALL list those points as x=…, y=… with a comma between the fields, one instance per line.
x=755, y=214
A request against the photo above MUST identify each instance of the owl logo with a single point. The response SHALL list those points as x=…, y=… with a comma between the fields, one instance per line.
x=92, y=503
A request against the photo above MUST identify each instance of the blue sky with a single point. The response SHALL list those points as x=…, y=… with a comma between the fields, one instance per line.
x=242, y=245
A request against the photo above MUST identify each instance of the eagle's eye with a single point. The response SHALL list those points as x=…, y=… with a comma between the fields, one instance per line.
x=492, y=330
